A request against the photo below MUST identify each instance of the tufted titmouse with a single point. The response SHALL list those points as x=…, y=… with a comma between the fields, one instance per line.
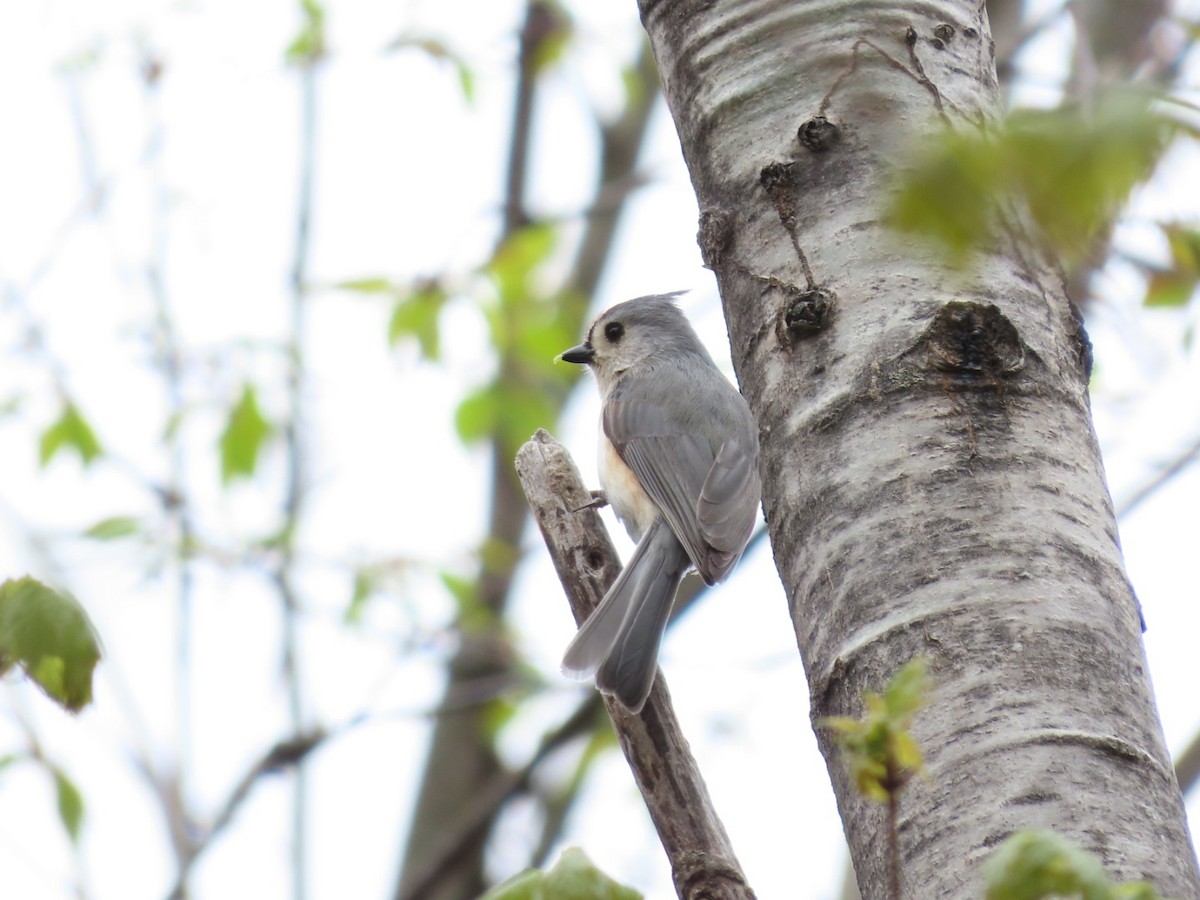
x=679, y=464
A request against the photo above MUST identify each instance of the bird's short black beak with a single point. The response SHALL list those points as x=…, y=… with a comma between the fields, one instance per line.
x=583, y=354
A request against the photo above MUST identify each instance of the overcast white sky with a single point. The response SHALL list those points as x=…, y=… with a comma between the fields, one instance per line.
x=408, y=185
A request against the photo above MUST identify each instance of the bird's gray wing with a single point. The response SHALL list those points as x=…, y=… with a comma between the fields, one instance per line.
x=729, y=500
x=699, y=468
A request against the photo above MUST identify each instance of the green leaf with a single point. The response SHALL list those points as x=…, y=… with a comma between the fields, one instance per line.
x=514, y=262
x=543, y=336
x=366, y=580
x=377, y=285
x=1071, y=169
x=881, y=753
x=471, y=615
x=71, y=430
x=1174, y=287
x=527, y=885
x=1031, y=865
x=634, y=84
x=113, y=528
x=556, y=31
x=466, y=80
x=441, y=51
x=308, y=46
x=478, y=414
x=416, y=316
x=465, y=591
x=524, y=413
x=48, y=634
x=573, y=877
x=905, y=694
x=70, y=804
x=498, y=712
x=505, y=410
x=246, y=431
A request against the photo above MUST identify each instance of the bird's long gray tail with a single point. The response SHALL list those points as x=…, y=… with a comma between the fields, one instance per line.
x=619, y=641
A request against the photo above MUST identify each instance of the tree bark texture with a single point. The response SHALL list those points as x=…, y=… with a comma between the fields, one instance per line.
x=932, y=483
x=703, y=864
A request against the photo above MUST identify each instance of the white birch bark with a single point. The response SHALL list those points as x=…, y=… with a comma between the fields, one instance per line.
x=932, y=483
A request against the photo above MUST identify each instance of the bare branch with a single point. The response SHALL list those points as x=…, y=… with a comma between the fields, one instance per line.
x=1168, y=471
x=473, y=823
x=1187, y=766
x=287, y=753
x=702, y=859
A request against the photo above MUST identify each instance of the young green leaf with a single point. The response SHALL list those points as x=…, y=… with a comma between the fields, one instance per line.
x=441, y=51
x=466, y=80
x=478, y=414
x=573, y=877
x=308, y=47
x=246, y=431
x=113, y=528
x=1070, y=168
x=514, y=262
x=375, y=285
x=70, y=804
x=71, y=430
x=48, y=634
x=556, y=30
x=416, y=315
x=1031, y=865
x=881, y=753
x=365, y=581
x=1174, y=286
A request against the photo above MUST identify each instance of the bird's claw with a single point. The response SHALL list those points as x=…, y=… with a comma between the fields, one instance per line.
x=599, y=501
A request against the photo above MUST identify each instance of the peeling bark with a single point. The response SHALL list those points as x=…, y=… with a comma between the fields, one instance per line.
x=932, y=483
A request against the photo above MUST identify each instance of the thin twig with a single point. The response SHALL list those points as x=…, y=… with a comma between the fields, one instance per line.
x=289, y=753
x=1184, y=459
x=490, y=798
x=293, y=428
x=172, y=495
x=893, y=839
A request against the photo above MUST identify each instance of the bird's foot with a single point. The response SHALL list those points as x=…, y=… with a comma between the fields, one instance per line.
x=599, y=501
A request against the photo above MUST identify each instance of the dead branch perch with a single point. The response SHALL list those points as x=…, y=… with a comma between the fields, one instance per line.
x=702, y=860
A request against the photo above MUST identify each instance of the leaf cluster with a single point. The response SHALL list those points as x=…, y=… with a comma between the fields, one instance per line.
x=1031, y=865
x=1070, y=168
x=527, y=325
x=48, y=634
x=881, y=752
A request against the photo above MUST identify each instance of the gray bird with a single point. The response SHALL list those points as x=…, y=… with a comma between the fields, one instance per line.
x=679, y=464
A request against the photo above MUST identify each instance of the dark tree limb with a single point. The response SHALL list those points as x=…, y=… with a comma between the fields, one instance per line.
x=462, y=764
x=474, y=822
x=702, y=859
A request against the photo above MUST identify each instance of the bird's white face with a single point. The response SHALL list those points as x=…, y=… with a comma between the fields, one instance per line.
x=633, y=333
x=619, y=342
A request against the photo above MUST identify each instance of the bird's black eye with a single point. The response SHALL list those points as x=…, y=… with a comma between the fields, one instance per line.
x=613, y=331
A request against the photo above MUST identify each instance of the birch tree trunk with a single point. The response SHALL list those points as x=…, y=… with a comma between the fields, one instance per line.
x=932, y=483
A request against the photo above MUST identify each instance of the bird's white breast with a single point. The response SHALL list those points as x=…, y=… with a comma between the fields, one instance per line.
x=629, y=501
